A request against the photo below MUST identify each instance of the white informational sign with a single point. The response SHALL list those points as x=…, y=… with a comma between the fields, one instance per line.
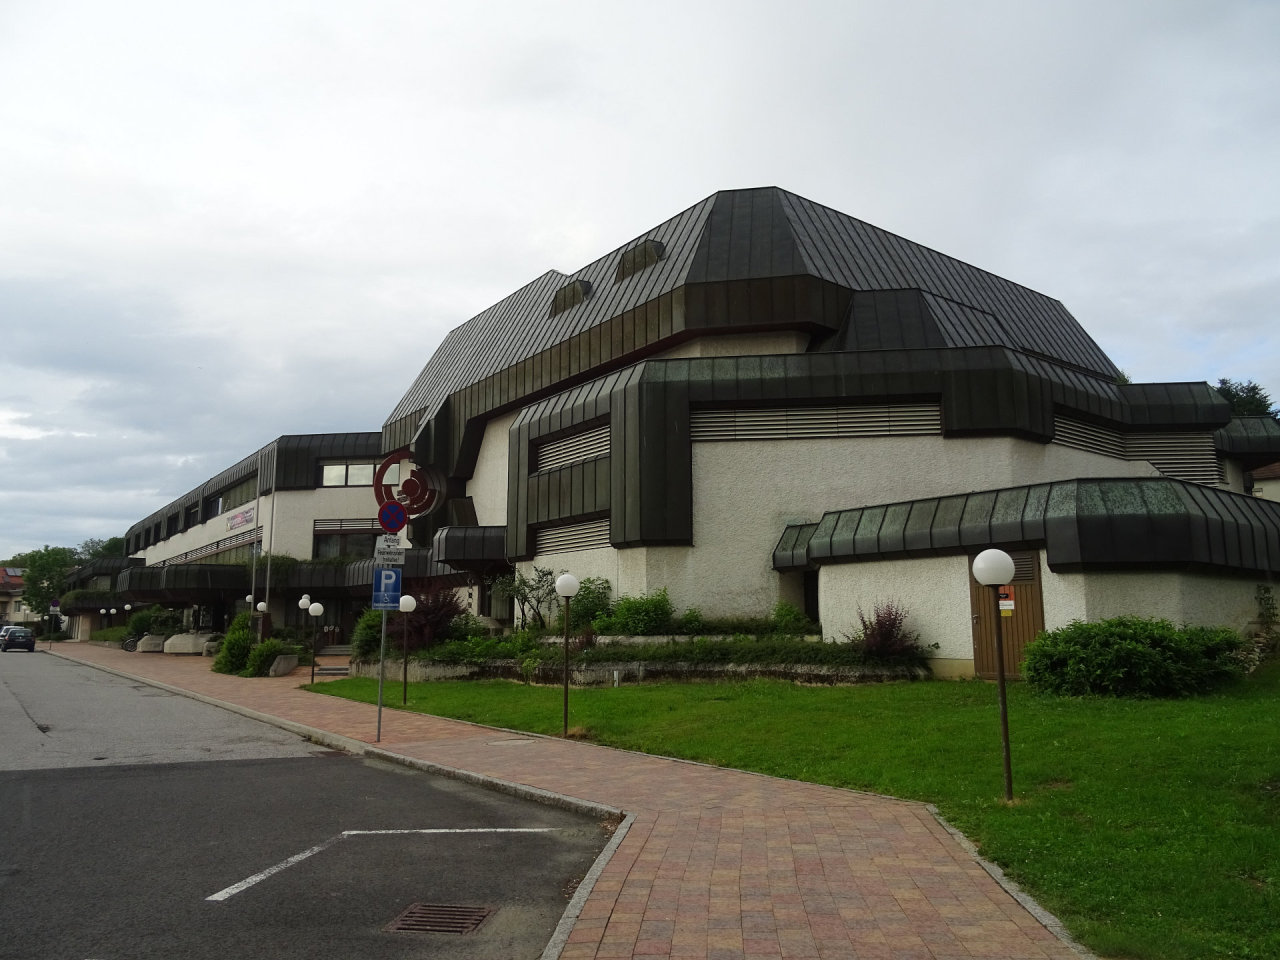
x=388, y=551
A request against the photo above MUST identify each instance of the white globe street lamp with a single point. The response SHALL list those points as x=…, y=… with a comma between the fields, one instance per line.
x=408, y=604
x=317, y=611
x=567, y=587
x=995, y=568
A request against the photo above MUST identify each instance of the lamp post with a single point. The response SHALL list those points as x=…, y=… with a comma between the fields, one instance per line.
x=317, y=611
x=994, y=568
x=407, y=605
x=567, y=587
x=102, y=612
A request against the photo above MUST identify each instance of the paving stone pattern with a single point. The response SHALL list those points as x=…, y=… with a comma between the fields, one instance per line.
x=717, y=864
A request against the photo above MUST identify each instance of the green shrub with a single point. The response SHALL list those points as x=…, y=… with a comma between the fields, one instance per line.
x=790, y=619
x=729, y=626
x=768, y=649
x=1132, y=657
x=155, y=620
x=467, y=625
x=366, y=637
x=516, y=646
x=109, y=635
x=261, y=656
x=638, y=616
x=140, y=621
x=233, y=654
x=166, y=623
x=590, y=604
x=690, y=622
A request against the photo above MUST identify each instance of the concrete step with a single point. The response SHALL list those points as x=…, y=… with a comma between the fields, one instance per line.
x=339, y=650
x=332, y=671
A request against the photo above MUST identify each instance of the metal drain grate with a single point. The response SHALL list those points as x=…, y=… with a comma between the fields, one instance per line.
x=439, y=918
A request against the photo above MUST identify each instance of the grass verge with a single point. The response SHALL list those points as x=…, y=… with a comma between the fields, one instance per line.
x=1151, y=828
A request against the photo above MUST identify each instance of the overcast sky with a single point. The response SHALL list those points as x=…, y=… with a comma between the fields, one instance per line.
x=224, y=222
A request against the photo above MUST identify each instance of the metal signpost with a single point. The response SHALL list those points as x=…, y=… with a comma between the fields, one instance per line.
x=386, y=596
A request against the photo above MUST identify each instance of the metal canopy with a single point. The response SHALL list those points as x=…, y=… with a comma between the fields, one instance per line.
x=1145, y=522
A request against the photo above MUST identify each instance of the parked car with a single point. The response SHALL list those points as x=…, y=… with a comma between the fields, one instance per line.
x=11, y=637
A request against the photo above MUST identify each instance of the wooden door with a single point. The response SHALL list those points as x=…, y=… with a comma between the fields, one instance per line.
x=1019, y=629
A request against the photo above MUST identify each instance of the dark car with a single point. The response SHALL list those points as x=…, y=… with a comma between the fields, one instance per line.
x=17, y=637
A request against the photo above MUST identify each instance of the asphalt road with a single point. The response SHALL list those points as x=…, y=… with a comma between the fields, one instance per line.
x=136, y=824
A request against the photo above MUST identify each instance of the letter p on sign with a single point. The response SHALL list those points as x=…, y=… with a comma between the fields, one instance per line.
x=386, y=588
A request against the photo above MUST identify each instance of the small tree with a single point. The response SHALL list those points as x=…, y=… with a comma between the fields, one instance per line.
x=531, y=594
x=1247, y=399
x=44, y=576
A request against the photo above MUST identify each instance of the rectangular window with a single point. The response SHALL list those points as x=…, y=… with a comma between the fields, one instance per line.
x=355, y=546
x=192, y=517
x=351, y=475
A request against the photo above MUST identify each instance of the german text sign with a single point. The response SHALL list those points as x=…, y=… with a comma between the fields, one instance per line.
x=388, y=551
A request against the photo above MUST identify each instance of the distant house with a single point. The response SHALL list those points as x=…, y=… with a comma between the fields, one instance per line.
x=1265, y=482
x=12, y=609
x=763, y=399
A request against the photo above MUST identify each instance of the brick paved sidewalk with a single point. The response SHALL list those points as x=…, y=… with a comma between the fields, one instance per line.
x=715, y=864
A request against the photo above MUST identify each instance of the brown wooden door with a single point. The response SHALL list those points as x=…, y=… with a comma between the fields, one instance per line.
x=1019, y=629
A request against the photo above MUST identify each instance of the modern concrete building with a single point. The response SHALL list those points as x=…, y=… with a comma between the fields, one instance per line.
x=764, y=399
x=294, y=517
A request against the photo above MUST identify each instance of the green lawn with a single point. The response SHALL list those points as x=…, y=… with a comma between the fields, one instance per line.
x=1151, y=828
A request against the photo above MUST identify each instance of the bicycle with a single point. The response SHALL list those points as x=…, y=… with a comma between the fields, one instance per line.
x=129, y=644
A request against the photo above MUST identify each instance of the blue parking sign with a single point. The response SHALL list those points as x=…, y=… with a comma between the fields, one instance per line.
x=386, y=588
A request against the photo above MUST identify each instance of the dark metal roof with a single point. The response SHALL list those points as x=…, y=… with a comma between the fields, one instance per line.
x=418, y=564
x=1143, y=522
x=477, y=549
x=182, y=581
x=760, y=258
x=1254, y=441
x=645, y=484
x=99, y=567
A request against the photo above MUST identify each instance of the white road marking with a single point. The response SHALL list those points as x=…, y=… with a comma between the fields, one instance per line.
x=248, y=882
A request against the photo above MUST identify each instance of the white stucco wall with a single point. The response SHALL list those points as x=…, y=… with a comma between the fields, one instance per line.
x=487, y=487
x=297, y=509
x=1193, y=598
x=204, y=534
x=1233, y=475
x=745, y=493
x=933, y=590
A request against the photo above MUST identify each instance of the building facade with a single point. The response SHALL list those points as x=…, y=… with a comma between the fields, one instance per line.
x=763, y=399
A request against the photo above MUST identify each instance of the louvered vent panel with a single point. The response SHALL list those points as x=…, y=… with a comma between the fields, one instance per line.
x=1086, y=436
x=330, y=526
x=580, y=446
x=796, y=423
x=226, y=543
x=1024, y=567
x=1183, y=456
x=578, y=536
